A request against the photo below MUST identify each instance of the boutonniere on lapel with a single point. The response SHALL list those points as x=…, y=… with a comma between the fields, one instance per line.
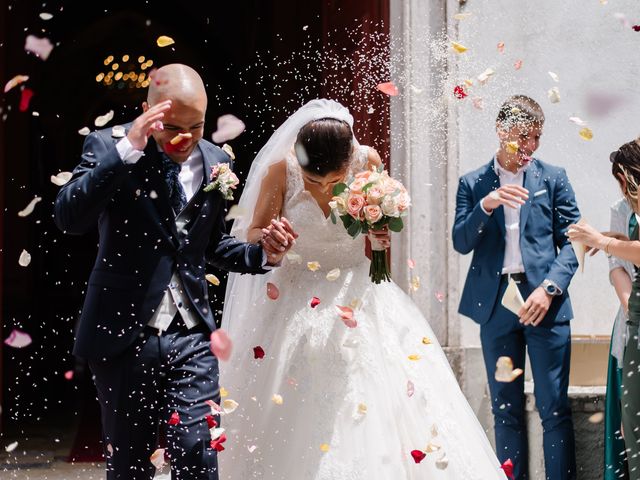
x=223, y=180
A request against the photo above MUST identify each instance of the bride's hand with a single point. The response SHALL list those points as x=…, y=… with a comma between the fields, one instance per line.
x=380, y=239
x=277, y=239
x=587, y=235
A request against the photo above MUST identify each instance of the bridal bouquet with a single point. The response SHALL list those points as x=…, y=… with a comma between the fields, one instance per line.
x=371, y=201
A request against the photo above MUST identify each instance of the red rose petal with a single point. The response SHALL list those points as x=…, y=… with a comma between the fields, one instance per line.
x=389, y=88
x=507, y=466
x=217, y=443
x=211, y=421
x=418, y=455
x=175, y=419
x=258, y=352
x=221, y=344
x=636, y=28
x=315, y=301
x=25, y=98
x=459, y=92
x=272, y=291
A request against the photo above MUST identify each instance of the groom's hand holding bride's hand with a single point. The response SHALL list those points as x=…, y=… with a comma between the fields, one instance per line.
x=277, y=239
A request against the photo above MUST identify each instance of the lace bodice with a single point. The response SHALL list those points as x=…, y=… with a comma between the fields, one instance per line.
x=320, y=239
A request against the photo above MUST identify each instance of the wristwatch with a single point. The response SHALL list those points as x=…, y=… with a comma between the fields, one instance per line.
x=550, y=287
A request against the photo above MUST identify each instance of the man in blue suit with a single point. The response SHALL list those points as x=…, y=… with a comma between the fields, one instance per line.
x=146, y=319
x=513, y=214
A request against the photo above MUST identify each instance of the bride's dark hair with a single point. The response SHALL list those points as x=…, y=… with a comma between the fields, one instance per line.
x=324, y=146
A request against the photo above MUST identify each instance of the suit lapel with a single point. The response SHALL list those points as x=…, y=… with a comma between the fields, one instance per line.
x=531, y=181
x=490, y=182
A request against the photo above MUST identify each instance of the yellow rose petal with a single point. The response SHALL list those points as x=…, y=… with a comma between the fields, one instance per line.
x=512, y=147
x=415, y=283
x=212, y=279
x=164, y=41
x=324, y=447
x=414, y=357
x=586, y=133
x=458, y=47
x=223, y=392
x=426, y=341
x=313, y=266
x=362, y=409
x=277, y=399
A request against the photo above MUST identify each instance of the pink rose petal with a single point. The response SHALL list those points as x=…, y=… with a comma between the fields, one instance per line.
x=346, y=314
x=41, y=47
x=411, y=389
x=18, y=339
x=229, y=127
x=272, y=291
x=389, y=88
x=68, y=375
x=221, y=344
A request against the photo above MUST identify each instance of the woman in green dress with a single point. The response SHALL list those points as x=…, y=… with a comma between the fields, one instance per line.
x=626, y=169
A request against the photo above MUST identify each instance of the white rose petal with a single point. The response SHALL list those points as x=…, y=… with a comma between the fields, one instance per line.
x=25, y=259
x=554, y=76
x=484, y=76
x=117, y=131
x=216, y=432
x=443, y=462
x=229, y=127
x=554, y=95
x=84, y=131
x=28, y=210
x=11, y=447
x=46, y=16
x=578, y=121
x=102, y=120
x=18, y=339
x=251, y=448
x=333, y=274
x=61, y=178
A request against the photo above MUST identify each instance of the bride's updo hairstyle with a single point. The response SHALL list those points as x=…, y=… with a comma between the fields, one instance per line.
x=324, y=146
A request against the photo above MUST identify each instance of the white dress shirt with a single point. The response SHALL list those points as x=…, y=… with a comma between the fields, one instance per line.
x=512, y=253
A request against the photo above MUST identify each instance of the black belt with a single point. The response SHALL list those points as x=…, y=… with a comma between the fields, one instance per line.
x=517, y=277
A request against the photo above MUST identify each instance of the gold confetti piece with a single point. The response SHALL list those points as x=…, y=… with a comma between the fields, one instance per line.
x=415, y=283
x=458, y=47
x=28, y=210
x=164, y=41
x=212, y=279
x=15, y=81
x=554, y=95
x=414, y=357
x=512, y=147
x=324, y=447
x=223, y=392
x=333, y=274
x=61, y=178
x=102, y=120
x=505, y=372
x=586, y=133
x=84, y=131
x=462, y=16
x=597, y=417
x=229, y=151
x=178, y=138
x=313, y=266
x=426, y=341
x=277, y=399
x=25, y=259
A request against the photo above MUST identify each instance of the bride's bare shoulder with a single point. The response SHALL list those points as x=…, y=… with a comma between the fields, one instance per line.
x=277, y=172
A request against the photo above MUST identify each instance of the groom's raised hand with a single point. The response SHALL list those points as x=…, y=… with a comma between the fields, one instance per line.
x=277, y=239
x=144, y=126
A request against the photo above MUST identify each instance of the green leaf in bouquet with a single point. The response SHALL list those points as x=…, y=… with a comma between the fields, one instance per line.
x=355, y=229
x=333, y=217
x=396, y=224
x=347, y=221
x=339, y=188
x=366, y=188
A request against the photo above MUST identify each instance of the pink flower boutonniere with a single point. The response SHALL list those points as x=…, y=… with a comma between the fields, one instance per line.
x=223, y=180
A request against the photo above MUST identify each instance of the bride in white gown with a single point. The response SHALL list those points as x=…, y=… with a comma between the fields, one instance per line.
x=329, y=402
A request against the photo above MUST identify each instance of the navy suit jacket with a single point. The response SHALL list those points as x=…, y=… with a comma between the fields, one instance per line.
x=546, y=250
x=139, y=246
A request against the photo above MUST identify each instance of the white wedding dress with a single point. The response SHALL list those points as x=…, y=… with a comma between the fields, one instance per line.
x=347, y=410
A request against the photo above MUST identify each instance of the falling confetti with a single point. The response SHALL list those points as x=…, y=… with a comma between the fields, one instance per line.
x=277, y=399
x=164, y=41
x=11, y=447
x=221, y=344
x=554, y=95
x=258, y=352
x=102, y=120
x=315, y=301
x=223, y=392
x=15, y=81
x=28, y=210
x=229, y=127
x=272, y=291
x=458, y=47
x=229, y=406
x=40, y=47
x=294, y=257
x=586, y=133
x=388, y=88
x=505, y=372
x=251, y=448
x=46, y=16
x=212, y=279
x=313, y=266
x=25, y=259
x=18, y=339
x=411, y=263
x=333, y=275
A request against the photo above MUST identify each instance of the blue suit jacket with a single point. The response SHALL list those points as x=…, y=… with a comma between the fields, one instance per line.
x=546, y=250
x=139, y=244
